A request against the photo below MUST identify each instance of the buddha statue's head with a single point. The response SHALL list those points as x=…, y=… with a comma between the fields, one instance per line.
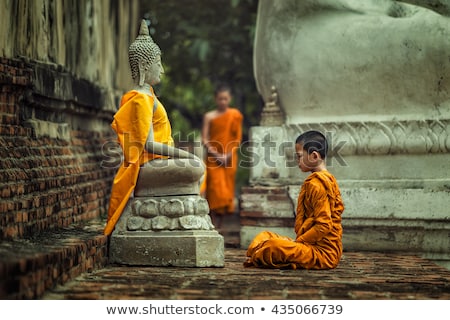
x=145, y=58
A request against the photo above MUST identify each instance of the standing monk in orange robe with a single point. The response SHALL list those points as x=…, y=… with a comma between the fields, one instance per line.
x=142, y=126
x=318, y=244
x=221, y=136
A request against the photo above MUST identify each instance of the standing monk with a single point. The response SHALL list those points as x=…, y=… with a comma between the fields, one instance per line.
x=221, y=136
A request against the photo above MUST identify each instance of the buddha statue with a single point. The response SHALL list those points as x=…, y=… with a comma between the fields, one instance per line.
x=155, y=206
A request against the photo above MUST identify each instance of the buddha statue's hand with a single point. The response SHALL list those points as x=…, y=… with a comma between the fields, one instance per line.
x=223, y=159
x=196, y=161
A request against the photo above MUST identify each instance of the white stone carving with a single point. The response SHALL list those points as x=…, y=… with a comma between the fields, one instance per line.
x=272, y=114
x=166, y=213
x=383, y=137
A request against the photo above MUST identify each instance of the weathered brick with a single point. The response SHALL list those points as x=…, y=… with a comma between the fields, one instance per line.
x=10, y=231
x=8, y=119
x=278, y=197
x=5, y=192
x=268, y=222
x=6, y=107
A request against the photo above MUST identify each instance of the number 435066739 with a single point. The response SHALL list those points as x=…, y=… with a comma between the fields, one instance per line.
x=307, y=309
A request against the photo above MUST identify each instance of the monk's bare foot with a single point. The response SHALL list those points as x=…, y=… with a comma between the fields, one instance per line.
x=216, y=219
x=248, y=263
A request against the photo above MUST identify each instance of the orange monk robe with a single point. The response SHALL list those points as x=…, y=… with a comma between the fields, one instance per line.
x=203, y=184
x=318, y=244
x=132, y=124
x=225, y=134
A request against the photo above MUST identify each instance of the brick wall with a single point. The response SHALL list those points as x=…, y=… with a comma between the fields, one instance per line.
x=48, y=180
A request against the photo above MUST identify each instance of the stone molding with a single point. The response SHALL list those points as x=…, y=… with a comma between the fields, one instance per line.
x=56, y=89
x=382, y=137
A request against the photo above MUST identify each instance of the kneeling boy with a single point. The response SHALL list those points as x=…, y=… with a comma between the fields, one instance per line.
x=318, y=244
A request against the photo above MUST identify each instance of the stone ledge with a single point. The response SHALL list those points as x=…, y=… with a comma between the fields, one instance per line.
x=29, y=267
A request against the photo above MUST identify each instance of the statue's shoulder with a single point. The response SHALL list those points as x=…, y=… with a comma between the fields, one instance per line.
x=136, y=96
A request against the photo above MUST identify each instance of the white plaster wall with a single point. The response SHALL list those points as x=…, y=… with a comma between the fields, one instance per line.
x=345, y=60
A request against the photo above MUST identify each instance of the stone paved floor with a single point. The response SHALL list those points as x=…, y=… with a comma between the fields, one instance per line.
x=361, y=275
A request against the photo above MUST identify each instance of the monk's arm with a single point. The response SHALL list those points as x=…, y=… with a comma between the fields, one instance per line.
x=205, y=135
x=206, y=143
x=205, y=130
x=322, y=222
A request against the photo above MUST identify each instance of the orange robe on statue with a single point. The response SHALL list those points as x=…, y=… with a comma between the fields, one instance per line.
x=225, y=134
x=137, y=112
x=318, y=244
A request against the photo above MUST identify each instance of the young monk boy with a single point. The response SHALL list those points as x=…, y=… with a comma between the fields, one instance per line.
x=318, y=242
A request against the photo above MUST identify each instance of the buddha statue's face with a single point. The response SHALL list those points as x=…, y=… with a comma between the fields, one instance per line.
x=153, y=71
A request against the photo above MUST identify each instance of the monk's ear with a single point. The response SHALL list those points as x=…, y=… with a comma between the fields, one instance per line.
x=315, y=155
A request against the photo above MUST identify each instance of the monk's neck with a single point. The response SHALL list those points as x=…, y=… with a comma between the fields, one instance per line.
x=222, y=111
x=319, y=168
x=145, y=88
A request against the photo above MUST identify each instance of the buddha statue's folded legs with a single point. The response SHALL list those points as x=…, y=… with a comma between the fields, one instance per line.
x=169, y=177
x=166, y=197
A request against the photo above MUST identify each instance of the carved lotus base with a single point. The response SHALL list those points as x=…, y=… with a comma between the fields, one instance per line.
x=184, y=212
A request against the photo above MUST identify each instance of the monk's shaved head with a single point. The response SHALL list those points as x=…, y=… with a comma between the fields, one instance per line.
x=313, y=141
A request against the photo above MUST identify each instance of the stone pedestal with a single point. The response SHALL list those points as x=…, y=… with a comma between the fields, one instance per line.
x=195, y=248
x=166, y=230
